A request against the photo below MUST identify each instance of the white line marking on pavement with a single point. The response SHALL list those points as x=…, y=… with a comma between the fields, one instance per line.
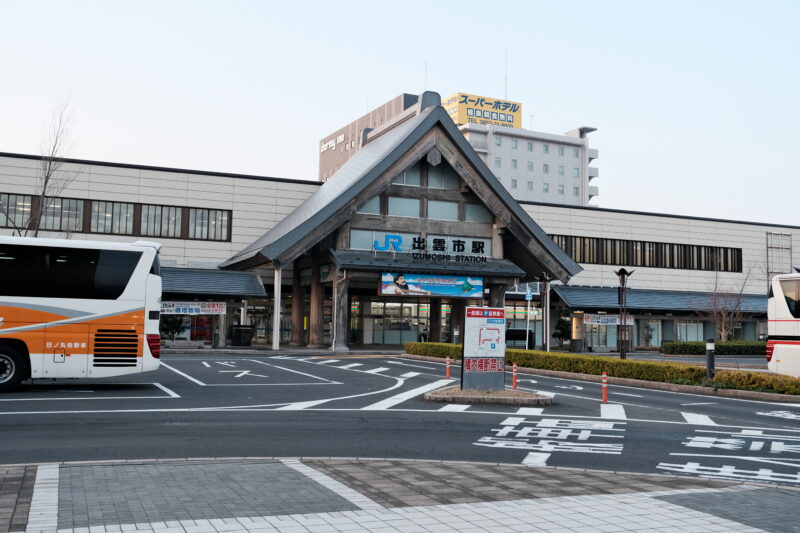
x=530, y=411
x=187, y=376
x=698, y=420
x=407, y=395
x=536, y=459
x=626, y=394
x=512, y=421
x=700, y=403
x=168, y=391
x=613, y=410
x=299, y=406
x=43, y=513
x=377, y=370
x=354, y=497
x=327, y=361
x=206, y=364
x=455, y=407
x=294, y=371
x=351, y=365
x=410, y=375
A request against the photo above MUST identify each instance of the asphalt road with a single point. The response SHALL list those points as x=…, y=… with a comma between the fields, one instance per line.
x=288, y=406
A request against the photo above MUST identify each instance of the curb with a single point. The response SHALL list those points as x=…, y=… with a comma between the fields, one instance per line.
x=642, y=384
x=472, y=398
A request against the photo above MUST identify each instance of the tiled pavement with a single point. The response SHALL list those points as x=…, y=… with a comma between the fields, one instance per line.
x=343, y=495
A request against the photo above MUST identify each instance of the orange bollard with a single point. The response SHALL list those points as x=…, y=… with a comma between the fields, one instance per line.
x=447, y=369
x=514, y=377
x=605, y=388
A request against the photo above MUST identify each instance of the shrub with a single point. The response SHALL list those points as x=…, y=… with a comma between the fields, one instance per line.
x=722, y=348
x=625, y=368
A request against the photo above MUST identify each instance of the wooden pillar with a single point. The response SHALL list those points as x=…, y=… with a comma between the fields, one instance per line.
x=341, y=302
x=315, y=313
x=497, y=295
x=276, y=311
x=435, y=330
x=298, y=335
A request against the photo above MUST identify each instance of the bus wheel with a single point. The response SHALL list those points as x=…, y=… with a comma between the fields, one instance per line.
x=12, y=369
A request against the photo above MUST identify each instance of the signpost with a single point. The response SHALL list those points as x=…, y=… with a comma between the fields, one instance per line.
x=484, y=354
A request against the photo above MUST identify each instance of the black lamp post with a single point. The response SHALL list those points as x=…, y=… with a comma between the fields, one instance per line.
x=622, y=300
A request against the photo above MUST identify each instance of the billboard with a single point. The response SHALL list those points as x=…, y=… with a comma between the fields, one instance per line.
x=193, y=308
x=466, y=108
x=402, y=284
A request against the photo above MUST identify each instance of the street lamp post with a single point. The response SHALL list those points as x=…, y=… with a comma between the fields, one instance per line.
x=622, y=301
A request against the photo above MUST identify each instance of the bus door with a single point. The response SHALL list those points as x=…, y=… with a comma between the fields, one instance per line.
x=66, y=351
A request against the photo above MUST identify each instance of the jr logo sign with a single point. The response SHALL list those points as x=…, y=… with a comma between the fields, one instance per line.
x=390, y=241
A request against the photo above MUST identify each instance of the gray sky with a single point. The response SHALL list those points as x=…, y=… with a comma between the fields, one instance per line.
x=695, y=102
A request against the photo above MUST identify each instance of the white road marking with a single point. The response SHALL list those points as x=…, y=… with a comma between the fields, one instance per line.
x=242, y=373
x=226, y=363
x=407, y=395
x=573, y=387
x=377, y=370
x=455, y=407
x=299, y=406
x=536, y=459
x=423, y=366
x=627, y=394
x=533, y=411
x=410, y=375
x=512, y=421
x=327, y=361
x=296, y=372
x=351, y=365
x=168, y=391
x=700, y=403
x=206, y=364
x=354, y=497
x=698, y=420
x=43, y=513
x=613, y=410
x=187, y=376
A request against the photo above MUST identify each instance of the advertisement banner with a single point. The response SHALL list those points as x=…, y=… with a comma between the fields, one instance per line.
x=402, y=284
x=607, y=320
x=483, y=364
x=193, y=308
x=466, y=108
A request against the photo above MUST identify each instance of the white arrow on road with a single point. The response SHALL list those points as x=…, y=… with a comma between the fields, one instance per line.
x=573, y=387
x=527, y=381
x=244, y=373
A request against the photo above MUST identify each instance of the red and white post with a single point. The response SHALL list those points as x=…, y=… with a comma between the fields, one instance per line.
x=605, y=387
x=447, y=369
x=514, y=376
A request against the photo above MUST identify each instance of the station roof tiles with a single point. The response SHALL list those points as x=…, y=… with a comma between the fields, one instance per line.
x=211, y=282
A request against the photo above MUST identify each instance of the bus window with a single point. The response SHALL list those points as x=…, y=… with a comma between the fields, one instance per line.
x=791, y=292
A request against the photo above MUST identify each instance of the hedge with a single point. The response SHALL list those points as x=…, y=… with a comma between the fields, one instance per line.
x=722, y=348
x=626, y=368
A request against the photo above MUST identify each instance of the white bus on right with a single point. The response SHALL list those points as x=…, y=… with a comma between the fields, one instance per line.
x=783, y=314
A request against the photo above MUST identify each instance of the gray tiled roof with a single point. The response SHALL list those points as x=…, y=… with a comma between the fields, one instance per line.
x=388, y=262
x=606, y=298
x=209, y=281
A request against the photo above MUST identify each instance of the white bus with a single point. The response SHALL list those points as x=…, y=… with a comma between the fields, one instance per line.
x=77, y=309
x=783, y=313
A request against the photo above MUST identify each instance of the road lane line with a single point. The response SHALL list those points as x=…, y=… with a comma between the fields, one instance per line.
x=512, y=421
x=407, y=395
x=700, y=403
x=536, y=459
x=43, y=512
x=187, y=376
x=206, y=365
x=377, y=370
x=626, y=394
x=455, y=407
x=327, y=361
x=613, y=410
x=168, y=391
x=354, y=497
x=351, y=365
x=533, y=411
x=295, y=372
x=410, y=375
x=698, y=420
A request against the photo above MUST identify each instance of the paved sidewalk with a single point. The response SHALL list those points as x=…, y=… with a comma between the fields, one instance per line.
x=350, y=495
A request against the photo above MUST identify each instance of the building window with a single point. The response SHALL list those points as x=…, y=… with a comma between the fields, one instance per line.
x=403, y=207
x=15, y=210
x=63, y=215
x=545, y=168
x=373, y=207
x=560, y=170
x=545, y=187
x=208, y=224
x=561, y=151
x=410, y=177
x=560, y=189
x=442, y=210
x=513, y=183
x=530, y=146
x=161, y=221
x=366, y=240
x=442, y=177
x=112, y=217
x=530, y=185
x=576, y=191
x=530, y=166
x=498, y=141
x=477, y=213
x=546, y=148
x=576, y=153
x=514, y=163
x=513, y=144
x=497, y=162
x=576, y=173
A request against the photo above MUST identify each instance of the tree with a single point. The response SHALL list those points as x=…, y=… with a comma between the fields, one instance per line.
x=170, y=326
x=563, y=330
x=724, y=306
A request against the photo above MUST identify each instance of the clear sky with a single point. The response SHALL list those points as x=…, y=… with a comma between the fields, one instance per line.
x=696, y=103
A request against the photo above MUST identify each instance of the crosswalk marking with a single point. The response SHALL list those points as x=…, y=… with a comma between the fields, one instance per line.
x=698, y=420
x=455, y=407
x=351, y=365
x=529, y=411
x=407, y=395
x=377, y=370
x=536, y=459
x=409, y=375
x=328, y=361
x=612, y=410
